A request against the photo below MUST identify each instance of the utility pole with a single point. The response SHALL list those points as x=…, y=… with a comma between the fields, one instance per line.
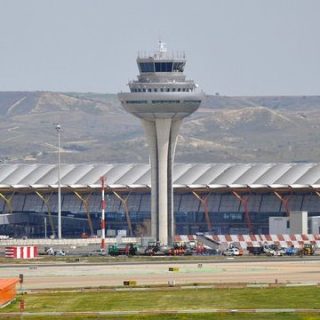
x=58, y=128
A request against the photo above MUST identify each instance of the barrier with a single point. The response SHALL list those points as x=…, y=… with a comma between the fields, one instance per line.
x=64, y=242
x=255, y=240
x=8, y=290
x=21, y=252
x=244, y=240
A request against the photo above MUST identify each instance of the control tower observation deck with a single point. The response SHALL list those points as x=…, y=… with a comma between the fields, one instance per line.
x=161, y=98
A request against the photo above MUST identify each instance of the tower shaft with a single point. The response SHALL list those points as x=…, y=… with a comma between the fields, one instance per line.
x=162, y=137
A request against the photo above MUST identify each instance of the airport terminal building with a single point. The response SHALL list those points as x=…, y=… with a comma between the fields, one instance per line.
x=219, y=198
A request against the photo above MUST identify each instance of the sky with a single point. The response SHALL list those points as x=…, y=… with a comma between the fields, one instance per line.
x=233, y=47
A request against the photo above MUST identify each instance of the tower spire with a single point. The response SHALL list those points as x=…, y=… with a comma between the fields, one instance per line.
x=162, y=47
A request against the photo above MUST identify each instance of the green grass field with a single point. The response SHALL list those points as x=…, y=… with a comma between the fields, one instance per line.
x=216, y=316
x=174, y=299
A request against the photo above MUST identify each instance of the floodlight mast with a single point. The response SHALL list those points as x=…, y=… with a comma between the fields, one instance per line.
x=161, y=98
x=58, y=128
x=103, y=208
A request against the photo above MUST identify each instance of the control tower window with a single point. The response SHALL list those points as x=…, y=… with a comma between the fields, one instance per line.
x=163, y=66
x=178, y=67
x=147, y=67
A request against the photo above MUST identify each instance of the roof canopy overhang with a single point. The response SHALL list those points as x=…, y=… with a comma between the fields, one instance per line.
x=219, y=177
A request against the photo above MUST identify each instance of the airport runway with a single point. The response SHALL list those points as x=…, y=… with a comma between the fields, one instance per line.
x=66, y=275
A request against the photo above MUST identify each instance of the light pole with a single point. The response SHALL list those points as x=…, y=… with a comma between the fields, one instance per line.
x=58, y=128
x=45, y=227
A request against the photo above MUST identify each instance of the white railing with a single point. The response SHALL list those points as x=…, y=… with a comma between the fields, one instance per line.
x=63, y=242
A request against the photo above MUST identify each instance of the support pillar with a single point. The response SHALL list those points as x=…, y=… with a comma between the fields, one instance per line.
x=172, y=149
x=317, y=193
x=161, y=136
x=284, y=201
x=204, y=202
x=244, y=202
x=8, y=200
x=85, y=202
x=124, y=201
x=46, y=201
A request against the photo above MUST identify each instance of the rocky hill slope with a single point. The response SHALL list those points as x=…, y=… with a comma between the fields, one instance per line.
x=97, y=129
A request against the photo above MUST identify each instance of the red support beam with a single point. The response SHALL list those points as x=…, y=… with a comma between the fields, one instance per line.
x=244, y=202
x=124, y=201
x=204, y=202
x=284, y=201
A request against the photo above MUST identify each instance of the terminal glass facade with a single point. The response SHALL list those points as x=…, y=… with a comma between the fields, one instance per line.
x=31, y=215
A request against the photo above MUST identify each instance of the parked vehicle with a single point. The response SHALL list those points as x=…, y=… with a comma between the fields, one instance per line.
x=291, y=251
x=255, y=250
x=154, y=248
x=128, y=249
x=308, y=249
x=231, y=252
x=273, y=250
x=98, y=252
x=180, y=249
x=60, y=253
x=50, y=251
x=53, y=252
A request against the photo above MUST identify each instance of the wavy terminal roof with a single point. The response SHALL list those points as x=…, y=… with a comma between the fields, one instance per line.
x=214, y=176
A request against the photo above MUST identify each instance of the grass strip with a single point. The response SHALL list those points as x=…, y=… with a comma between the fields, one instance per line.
x=206, y=316
x=171, y=299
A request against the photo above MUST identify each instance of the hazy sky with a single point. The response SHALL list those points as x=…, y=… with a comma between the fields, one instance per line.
x=234, y=47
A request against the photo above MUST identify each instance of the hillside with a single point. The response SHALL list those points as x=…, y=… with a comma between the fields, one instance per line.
x=96, y=129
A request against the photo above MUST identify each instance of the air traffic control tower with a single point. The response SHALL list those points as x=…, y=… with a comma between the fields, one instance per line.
x=161, y=98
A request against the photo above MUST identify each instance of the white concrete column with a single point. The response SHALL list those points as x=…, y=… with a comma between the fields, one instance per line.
x=151, y=136
x=161, y=136
x=175, y=126
x=163, y=127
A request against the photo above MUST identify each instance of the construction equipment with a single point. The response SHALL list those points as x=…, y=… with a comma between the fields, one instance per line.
x=308, y=249
x=155, y=249
x=180, y=249
x=122, y=249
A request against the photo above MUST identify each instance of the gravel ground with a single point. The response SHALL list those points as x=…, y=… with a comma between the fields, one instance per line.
x=52, y=276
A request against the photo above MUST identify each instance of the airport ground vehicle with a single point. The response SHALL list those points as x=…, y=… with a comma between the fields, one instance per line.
x=180, y=249
x=308, y=249
x=154, y=248
x=270, y=250
x=255, y=250
x=267, y=249
x=99, y=252
x=291, y=251
x=231, y=252
x=128, y=249
x=53, y=252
